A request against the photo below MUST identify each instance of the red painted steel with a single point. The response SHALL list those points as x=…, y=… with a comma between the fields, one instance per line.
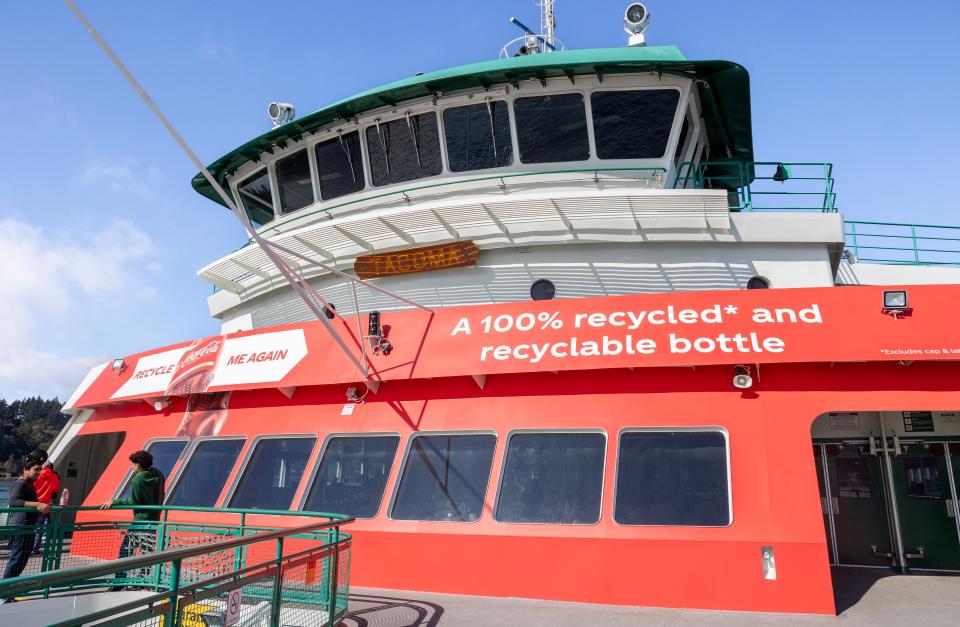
x=774, y=485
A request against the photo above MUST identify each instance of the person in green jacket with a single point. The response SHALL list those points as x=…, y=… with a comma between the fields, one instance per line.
x=146, y=488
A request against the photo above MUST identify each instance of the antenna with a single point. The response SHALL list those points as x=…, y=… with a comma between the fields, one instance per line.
x=548, y=22
x=310, y=297
x=536, y=43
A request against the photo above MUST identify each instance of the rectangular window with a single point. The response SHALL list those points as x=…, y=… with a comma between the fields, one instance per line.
x=672, y=478
x=681, y=141
x=853, y=478
x=273, y=473
x=552, y=478
x=552, y=128
x=255, y=197
x=206, y=472
x=478, y=136
x=633, y=124
x=340, y=165
x=352, y=475
x=165, y=455
x=922, y=475
x=294, y=182
x=404, y=149
x=444, y=478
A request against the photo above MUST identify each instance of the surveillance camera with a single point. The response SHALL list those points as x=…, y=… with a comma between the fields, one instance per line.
x=742, y=378
x=635, y=21
x=280, y=112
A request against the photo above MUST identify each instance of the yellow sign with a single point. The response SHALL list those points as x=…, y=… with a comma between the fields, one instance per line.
x=193, y=615
x=422, y=259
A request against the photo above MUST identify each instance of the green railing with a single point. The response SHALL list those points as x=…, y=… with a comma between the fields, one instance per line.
x=765, y=185
x=903, y=244
x=194, y=566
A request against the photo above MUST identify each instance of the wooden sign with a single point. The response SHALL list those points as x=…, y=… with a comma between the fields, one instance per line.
x=423, y=259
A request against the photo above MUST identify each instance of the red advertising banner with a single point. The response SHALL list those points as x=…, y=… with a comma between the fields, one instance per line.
x=672, y=329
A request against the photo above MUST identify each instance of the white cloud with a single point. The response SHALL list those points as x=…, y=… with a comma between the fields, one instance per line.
x=122, y=175
x=47, y=278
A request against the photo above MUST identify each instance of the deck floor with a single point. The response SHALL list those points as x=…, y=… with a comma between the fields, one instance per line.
x=864, y=597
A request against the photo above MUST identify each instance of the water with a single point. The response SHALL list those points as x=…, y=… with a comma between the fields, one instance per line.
x=5, y=485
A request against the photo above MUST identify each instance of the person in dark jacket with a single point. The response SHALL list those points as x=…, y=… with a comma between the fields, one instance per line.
x=146, y=489
x=23, y=494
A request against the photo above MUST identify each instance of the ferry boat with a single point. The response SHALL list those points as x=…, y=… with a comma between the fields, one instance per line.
x=574, y=342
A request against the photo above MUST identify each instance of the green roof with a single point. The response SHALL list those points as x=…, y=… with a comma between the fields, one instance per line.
x=724, y=88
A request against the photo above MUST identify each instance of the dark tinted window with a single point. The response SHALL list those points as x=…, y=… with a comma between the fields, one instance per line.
x=853, y=478
x=273, y=473
x=923, y=477
x=207, y=470
x=552, y=478
x=478, y=136
x=633, y=124
x=684, y=130
x=165, y=455
x=293, y=181
x=552, y=128
x=445, y=478
x=404, y=149
x=352, y=475
x=677, y=478
x=255, y=197
x=340, y=165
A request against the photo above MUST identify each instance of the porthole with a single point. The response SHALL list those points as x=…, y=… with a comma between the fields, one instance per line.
x=758, y=283
x=543, y=289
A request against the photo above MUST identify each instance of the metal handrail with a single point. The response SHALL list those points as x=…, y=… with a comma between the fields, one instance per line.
x=918, y=252
x=10, y=587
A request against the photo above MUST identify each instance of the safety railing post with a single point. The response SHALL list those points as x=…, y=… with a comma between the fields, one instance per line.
x=916, y=246
x=162, y=541
x=853, y=234
x=174, y=583
x=332, y=588
x=277, y=586
x=238, y=552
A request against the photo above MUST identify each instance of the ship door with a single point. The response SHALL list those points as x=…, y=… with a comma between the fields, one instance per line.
x=924, y=478
x=857, y=505
x=81, y=465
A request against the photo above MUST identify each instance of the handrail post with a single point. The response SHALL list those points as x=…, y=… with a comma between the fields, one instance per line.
x=916, y=247
x=853, y=232
x=277, y=586
x=162, y=531
x=332, y=611
x=238, y=552
x=172, y=611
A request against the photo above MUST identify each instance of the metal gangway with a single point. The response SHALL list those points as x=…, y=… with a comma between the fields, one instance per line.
x=195, y=567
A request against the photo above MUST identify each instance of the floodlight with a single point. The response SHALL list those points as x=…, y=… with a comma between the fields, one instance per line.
x=118, y=365
x=280, y=113
x=895, y=300
x=742, y=378
x=636, y=19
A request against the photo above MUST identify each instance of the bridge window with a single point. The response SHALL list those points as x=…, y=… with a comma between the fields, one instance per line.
x=206, y=472
x=681, y=141
x=633, y=124
x=353, y=475
x=404, y=149
x=271, y=477
x=294, y=182
x=552, y=478
x=255, y=196
x=444, y=478
x=672, y=478
x=340, y=165
x=552, y=128
x=165, y=455
x=478, y=136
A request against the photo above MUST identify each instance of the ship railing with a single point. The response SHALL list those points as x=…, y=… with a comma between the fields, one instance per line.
x=765, y=185
x=903, y=244
x=193, y=566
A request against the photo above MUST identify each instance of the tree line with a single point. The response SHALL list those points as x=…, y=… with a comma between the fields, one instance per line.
x=25, y=425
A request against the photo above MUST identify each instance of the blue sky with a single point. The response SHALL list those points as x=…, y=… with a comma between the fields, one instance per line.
x=101, y=235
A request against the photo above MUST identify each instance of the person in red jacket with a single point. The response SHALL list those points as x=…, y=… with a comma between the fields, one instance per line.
x=47, y=485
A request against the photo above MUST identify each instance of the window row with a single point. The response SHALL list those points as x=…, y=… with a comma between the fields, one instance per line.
x=627, y=124
x=662, y=477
